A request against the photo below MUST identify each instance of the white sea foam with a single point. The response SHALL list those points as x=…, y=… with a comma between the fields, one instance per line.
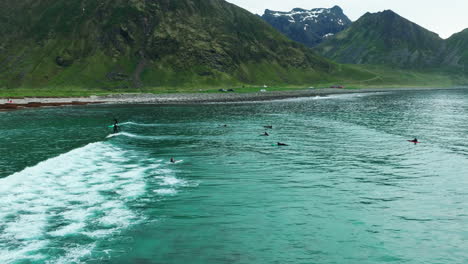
x=74, y=255
x=69, y=229
x=23, y=253
x=171, y=181
x=82, y=192
x=135, y=136
x=165, y=191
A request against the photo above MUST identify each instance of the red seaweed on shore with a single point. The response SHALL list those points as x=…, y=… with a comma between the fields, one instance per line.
x=13, y=106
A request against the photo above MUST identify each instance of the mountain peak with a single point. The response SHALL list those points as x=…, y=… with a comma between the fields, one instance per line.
x=337, y=8
x=388, y=13
x=309, y=27
x=299, y=10
x=385, y=38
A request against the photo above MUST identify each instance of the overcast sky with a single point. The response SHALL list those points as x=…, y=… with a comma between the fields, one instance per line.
x=444, y=17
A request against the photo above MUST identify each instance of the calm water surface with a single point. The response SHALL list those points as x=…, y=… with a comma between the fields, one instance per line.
x=348, y=189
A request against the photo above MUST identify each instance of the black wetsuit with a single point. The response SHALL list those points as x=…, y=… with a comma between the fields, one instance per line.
x=116, y=127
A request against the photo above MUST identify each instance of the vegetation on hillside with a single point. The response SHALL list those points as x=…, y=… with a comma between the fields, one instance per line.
x=389, y=40
x=122, y=45
x=61, y=47
x=385, y=38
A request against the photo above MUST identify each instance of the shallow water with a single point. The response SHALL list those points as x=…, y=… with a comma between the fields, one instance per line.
x=349, y=188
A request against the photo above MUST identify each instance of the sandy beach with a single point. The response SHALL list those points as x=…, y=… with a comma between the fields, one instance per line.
x=186, y=98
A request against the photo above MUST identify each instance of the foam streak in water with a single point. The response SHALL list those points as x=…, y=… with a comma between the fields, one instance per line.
x=80, y=193
x=140, y=124
x=140, y=137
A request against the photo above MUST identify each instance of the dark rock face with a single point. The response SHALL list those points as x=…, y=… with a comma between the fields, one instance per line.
x=309, y=27
x=63, y=62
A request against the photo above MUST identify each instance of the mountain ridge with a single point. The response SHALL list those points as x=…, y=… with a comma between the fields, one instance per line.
x=457, y=55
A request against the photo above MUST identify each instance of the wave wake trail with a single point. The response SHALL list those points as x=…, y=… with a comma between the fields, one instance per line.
x=130, y=135
x=140, y=137
x=83, y=193
x=140, y=124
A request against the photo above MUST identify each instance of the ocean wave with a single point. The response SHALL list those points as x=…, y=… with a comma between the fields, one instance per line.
x=82, y=192
x=131, y=135
x=148, y=138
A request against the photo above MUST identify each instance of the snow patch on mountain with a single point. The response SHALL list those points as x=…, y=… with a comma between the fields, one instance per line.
x=308, y=26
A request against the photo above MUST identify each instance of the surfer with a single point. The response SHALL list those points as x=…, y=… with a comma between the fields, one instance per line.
x=116, y=129
x=265, y=134
x=415, y=141
x=270, y=127
x=116, y=126
x=173, y=160
x=282, y=144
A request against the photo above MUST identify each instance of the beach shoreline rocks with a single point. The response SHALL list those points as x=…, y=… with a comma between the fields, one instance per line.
x=186, y=98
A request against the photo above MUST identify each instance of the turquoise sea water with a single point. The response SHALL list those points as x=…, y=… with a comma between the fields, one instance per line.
x=349, y=188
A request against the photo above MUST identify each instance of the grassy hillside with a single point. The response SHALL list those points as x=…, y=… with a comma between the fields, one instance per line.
x=137, y=45
x=385, y=38
x=386, y=76
x=82, y=47
x=457, y=54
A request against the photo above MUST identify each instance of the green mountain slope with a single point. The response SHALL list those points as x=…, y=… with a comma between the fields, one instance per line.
x=128, y=44
x=457, y=51
x=385, y=38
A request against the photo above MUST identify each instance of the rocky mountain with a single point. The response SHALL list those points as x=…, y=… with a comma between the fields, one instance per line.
x=127, y=44
x=385, y=38
x=309, y=27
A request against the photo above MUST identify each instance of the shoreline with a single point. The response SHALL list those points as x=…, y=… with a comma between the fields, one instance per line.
x=190, y=98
